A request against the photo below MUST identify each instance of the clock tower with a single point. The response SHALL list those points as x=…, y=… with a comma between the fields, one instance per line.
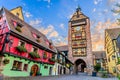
x=79, y=42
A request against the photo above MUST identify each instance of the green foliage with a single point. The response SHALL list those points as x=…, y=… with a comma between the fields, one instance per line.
x=104, y=74
x=6, y=61
x=34, y=55
x=52, y=59
x=21, y=49
x=45, y=55
x=118, y=76
x=118, y=60
x=117, y=11
x=18, y=29
x=97, y=67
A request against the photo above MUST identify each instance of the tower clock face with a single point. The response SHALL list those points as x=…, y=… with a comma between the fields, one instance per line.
x=77, y=28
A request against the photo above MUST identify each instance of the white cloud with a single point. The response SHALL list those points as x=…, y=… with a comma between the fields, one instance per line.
x=94, y=9
x=97, y=1
x=62, y=26
x=98, y=34
x=52, y=34
x=48, y=1
x=27, y=14
x=35, y=22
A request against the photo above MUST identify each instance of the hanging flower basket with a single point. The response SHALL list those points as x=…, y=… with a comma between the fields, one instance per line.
x=21, y=49
x=6, y=61
x=34, y=55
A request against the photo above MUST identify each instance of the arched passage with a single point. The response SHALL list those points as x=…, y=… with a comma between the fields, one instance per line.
x=80, y=65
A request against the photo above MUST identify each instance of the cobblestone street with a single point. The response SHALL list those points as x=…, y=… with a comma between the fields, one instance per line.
x=63, y=77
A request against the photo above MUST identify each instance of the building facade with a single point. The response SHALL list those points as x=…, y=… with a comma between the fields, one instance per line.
x=79, y=42
x=111, y=49
x=99, y=57
x=24, y=51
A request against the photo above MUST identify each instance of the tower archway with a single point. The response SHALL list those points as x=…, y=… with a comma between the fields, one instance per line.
x=79, y=65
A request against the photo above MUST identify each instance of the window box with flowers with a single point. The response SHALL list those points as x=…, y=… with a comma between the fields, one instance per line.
x=21, y=49
x=34, y=55
x=45, y=55
x=52, y=59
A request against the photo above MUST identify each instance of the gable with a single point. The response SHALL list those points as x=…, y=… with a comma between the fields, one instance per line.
x=18, y=12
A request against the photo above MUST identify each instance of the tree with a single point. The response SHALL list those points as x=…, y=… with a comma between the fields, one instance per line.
x=97, y=67
x=117, y=11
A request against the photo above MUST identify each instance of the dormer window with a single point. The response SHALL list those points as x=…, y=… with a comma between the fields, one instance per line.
x=50, y=46
x=17, y=26
x=37, y=37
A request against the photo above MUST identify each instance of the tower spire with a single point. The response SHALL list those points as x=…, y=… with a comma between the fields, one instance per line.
x=78, y=8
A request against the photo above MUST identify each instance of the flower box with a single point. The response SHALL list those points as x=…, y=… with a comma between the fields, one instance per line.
x=21, y=49
x=34, y=55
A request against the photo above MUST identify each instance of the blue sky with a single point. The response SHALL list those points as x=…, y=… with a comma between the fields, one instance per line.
x=51, y=17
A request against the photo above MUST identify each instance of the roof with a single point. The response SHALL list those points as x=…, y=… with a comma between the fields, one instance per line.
x=26, y=29
x=78, y=13
x=113, y=33
x=99, y=54
x=62, y=48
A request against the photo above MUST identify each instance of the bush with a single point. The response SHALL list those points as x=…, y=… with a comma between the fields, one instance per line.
x=21, y=49
x=97, y=67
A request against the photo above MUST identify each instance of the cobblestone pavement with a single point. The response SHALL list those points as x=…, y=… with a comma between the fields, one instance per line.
x=77, y=77
x=63, y=77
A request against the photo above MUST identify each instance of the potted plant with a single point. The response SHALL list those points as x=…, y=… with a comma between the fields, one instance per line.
x=97, y=67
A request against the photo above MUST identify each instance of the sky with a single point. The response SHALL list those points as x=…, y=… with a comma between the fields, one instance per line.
x=51, y=17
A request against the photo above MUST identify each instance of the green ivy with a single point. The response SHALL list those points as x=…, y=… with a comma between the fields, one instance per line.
x=21, y=49
x=34, y=55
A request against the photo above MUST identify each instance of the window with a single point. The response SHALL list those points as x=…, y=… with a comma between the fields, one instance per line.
x=37, y=37
x=25, y=67
x=34, y=49
x=50, y=45
x=21, y=43
x=45, y=66
x=17, y=65
x=17, y=25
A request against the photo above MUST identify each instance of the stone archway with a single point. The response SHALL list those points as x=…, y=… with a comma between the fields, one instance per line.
x=79, y=66
x=34, y=70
